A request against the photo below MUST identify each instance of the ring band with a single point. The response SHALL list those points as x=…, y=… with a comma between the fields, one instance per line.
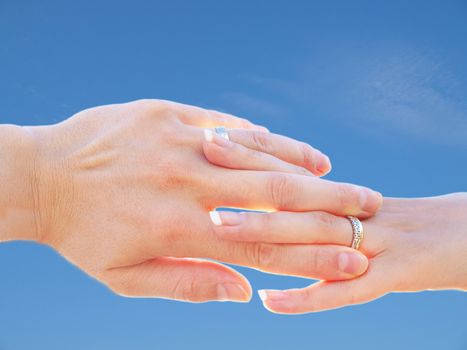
x=357, y=229
x=222, y=132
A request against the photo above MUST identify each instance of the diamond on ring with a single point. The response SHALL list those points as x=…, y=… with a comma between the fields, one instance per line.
x=222, y=132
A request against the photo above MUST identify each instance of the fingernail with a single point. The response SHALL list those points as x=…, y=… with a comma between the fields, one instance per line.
x=274, y=300
x=230, y=218
x=263, y=295
x=324, y=164
x=226, y=218
x=215, y=218
x=231, y=292
x=208, y=135
x=272, y=295
x=370, y=201
x=352, y=263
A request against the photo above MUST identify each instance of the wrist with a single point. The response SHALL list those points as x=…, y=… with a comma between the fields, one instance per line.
x=18, y=185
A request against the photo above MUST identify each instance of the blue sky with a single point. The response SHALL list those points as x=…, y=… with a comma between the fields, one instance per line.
x=383, y=83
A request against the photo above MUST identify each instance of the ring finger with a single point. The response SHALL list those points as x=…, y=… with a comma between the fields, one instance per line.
x=315, y=227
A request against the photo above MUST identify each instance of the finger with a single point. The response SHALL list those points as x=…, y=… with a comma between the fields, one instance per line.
x=272, y=191
x=328, y=295
x=282, y=147
x=327, y=262
x=324, y=262
x=314, y=227
x=228, y=154
x=201, y=117
x=191, y=280
x=194, y=236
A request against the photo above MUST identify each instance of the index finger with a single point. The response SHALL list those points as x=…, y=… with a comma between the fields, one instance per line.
x=208, y=118
x=284, y=148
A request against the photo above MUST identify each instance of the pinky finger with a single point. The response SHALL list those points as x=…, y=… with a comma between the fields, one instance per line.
x=184, y=279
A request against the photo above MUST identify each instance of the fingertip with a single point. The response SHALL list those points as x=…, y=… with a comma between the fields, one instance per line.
x=246, y=286
x=263, y=295
x=232, y=286
x=352, y=263
x=370, y=201
x=235, y=292
x=276, y=301
x=324, y=165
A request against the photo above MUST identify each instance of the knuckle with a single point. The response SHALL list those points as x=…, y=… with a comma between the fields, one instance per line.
x=245, y=122
x=153, y=107
x=347, y=196
x=217, y=117
x=262, y=141
x=317, y=260
x=185, y=288
x=309, y=155
x=256, y=226
x=146, y=103
x=321, y=261
x=262, y=255
x=309, y=299
x=323, y=220
x=281, y=190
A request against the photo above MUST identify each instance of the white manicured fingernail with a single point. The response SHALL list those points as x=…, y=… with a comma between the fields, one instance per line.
x=215, y=218
x=208, y=135
x=263, y=295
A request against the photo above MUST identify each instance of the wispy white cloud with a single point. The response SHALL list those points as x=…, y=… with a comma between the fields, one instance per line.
x=415, y=94
x=402, y=90
x=251, y=104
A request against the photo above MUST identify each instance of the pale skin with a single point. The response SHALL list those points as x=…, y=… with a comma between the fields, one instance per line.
x=412, y=244
x=123, y=192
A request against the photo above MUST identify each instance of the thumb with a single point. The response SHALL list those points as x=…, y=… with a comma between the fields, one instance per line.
x=327, y=295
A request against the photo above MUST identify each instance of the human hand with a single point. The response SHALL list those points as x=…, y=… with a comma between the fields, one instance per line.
x=123, y=192
x=412, y=245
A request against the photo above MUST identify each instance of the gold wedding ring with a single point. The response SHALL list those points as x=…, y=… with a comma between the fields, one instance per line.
x=357, y=229
x=222, y=132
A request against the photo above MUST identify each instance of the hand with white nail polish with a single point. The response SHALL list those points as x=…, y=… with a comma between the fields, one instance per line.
x=412, y=245
x=123, y=192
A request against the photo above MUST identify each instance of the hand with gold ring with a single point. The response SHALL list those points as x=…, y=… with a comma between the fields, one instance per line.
x=412, y=245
